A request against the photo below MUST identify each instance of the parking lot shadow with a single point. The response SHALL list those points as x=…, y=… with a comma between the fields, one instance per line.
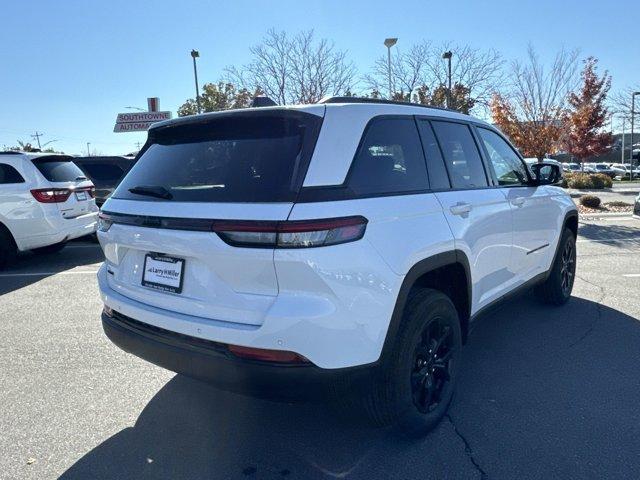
x=32, y=267
x=615, y=235
x=543, y=389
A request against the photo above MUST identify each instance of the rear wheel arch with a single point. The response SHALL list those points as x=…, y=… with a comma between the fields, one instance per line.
x=8, y=250
x=447, y=272
x=5, y=230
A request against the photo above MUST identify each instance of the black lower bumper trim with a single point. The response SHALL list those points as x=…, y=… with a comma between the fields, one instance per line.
x=212, y=362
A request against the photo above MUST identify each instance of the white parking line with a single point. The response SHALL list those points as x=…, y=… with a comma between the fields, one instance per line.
x=631, y=275
x=46, y=274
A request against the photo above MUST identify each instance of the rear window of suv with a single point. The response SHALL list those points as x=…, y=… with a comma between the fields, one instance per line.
x=237, y=157
x=105, y=173
x=58, y=169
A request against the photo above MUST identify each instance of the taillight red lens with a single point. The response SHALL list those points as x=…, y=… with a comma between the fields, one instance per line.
x=291, y=234
x=278, y=356
x=51, y=195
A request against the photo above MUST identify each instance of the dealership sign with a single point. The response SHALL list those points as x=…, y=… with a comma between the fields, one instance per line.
x=138, y=121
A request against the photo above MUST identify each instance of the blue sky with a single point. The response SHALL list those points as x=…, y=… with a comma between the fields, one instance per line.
x=68, y=67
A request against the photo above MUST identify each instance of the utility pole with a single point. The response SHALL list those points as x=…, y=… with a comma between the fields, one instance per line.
x=195, y=54
x=37, y=138
x=88, y=153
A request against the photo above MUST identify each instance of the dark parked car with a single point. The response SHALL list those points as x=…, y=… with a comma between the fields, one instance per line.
x=105, y=173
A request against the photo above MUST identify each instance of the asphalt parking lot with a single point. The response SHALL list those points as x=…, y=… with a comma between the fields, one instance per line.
x=545, y=392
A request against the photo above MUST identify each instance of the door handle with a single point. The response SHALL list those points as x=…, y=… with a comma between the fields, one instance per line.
x=518, y=201
x=461, y=209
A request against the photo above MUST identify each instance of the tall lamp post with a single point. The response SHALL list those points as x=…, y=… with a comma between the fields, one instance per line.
x=633, y=114
x=447, y=56
x=195, y=54
x=622, y=151
x=389, y=42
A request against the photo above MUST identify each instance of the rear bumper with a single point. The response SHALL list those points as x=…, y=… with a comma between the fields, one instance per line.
x=63, y=229
x=295, y=323
x=212, y=362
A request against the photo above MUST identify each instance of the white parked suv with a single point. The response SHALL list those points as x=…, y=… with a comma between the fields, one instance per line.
x=345, y=247
x=45, y=200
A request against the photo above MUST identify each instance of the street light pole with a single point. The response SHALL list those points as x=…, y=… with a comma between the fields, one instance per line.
x=447, y=56
x=389, y=42
x=195, y=54
x=633, y=113
x=88, y=153
x=622, y=152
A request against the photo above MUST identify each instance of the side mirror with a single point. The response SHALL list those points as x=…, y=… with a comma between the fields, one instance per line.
x=546, y=173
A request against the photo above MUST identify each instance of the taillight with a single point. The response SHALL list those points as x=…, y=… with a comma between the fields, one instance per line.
x=92, y=192
x=51, y=195
x=104, y=222
x=291, y=234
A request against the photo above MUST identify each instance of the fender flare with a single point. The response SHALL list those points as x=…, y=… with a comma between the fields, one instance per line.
x=424, y=266
x=571, y=214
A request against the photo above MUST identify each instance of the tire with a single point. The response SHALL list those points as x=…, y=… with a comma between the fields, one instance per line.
x=8, y=248
x=55, y=248
x=400, y=390
x=556, y=289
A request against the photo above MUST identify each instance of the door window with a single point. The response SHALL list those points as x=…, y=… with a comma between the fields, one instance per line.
x=438, y=178
x=461, y=155
x=507, y=165
x=390, y=159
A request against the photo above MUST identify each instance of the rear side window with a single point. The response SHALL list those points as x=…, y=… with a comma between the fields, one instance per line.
x=389, y=160
x=258, y=157
x=103, y=172
x=509, y=169
x=58, y=169
x=461, y=155
x=8, y=174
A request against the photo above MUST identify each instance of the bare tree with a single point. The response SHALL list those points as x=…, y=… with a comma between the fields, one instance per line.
x=295, y=69
x=541, y=96
x=409, y=71
x=621, y=102
x=531, y=109
x=421, y=69
x=481, y=71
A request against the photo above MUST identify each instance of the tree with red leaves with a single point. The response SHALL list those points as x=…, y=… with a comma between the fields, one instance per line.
x=584, y=121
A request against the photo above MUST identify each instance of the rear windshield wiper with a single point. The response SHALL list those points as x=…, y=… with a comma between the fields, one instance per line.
x=157, y=191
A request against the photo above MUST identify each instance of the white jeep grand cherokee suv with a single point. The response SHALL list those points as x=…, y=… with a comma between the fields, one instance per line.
x=45, y=200
x=344, y=246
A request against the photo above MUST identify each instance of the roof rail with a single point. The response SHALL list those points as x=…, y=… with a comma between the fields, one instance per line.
x=11, y=152
x=339, y=99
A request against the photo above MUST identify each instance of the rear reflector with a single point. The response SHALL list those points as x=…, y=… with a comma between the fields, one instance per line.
x=291, y=234
x=51, y=195
x=277, y=356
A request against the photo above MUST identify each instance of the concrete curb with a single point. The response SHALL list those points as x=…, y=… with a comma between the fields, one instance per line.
x=589, y=216
x=580, y=193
